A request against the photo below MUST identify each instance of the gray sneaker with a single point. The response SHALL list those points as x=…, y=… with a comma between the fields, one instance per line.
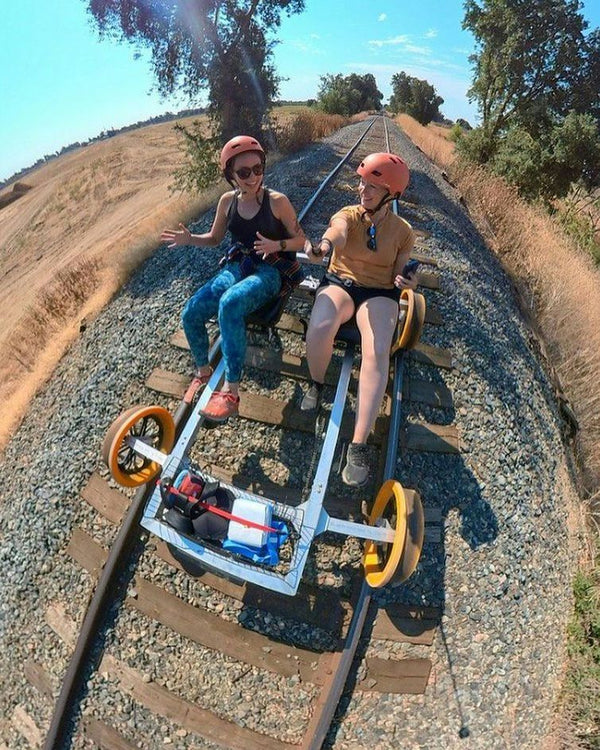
x=357, y=470
x=312, y=398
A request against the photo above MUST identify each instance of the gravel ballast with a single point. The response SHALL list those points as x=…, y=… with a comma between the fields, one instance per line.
x=501, y=573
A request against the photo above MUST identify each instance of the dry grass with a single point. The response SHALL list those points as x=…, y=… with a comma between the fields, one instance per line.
x=432, y=140
x=558, y=281
x=68, y=244
x=563, y=293
x=560, y=287
x=57, y=303
x=304, y=127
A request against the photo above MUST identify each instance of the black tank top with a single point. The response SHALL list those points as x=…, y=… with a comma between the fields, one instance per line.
x=244, y=230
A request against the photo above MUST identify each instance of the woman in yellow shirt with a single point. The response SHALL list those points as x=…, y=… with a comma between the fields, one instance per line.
x=369, y=247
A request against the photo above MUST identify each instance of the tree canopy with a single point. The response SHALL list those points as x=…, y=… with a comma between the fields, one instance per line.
x=536, y=81
x=222, y=46
x=533, y=61
x=347, y=95
x=415, y=97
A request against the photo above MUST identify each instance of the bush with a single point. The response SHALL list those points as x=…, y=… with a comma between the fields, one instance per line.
x=304, y=128
x=455, y=133
x=582, y=229
x=519, y=159
x=201, y=168
x=541, y=165
x=477, y=146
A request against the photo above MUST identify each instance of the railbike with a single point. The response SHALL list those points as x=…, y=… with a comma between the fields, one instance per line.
x=267, y=542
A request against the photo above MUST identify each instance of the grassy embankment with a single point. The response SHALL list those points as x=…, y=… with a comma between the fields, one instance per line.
x=559, y=284
x=89, y=220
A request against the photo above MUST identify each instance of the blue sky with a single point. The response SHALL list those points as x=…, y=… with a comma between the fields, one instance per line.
x=60, y=83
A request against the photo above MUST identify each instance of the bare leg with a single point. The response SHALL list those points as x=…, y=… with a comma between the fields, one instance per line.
x=376, y=319
x=333, y=306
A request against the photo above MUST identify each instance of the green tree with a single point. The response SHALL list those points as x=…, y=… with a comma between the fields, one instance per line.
x=549, y=164
x=347, y=95
x=532, y=62
x=536, y=81
x=415, y=97
x=219, y=45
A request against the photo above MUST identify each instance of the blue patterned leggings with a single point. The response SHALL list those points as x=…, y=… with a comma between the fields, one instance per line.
x=233, y=298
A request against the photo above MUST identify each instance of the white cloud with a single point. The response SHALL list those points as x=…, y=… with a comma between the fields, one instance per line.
x=431, y=34
x=414, y=50
x=403, y=42
x=306, y=48
x=370, y=68
x=382, y=17
x=403, y=39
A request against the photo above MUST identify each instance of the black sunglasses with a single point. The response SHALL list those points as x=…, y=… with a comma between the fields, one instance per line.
x=372, y=241
x=244, y=172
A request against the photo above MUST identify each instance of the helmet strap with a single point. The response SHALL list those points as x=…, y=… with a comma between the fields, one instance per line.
x=387, y=198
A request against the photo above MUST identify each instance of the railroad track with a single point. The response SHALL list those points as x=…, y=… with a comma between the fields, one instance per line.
x=317, y=642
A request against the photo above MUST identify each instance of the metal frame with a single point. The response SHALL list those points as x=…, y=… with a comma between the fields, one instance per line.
x=308, y=519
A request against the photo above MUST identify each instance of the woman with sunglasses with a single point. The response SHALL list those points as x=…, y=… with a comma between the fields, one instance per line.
x=369, y=247
x=260, y=265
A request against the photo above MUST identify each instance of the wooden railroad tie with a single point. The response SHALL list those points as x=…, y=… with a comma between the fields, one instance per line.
x=258, y=650
x=258, y=408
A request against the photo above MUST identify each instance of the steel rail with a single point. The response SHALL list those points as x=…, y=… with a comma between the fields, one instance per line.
x=332, y=690
x=333, y=173
x=116, y=572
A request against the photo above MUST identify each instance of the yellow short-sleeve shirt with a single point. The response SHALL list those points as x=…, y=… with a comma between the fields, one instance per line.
x=355, y=261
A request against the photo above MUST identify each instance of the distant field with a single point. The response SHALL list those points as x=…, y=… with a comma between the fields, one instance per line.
x=82, y=205
x=68, y=243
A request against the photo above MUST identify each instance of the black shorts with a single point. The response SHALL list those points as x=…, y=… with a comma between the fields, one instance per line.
x=359, y=294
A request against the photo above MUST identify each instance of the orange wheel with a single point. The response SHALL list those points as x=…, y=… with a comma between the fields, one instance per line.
x=409, y=330
x=387, y=563
x=112, y=431
x=152, y=424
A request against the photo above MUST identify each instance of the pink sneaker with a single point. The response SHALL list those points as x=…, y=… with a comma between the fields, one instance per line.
x=197, y=384
x=221, y=405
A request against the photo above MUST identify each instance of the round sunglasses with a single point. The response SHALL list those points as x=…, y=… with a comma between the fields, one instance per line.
x=372, y=237
x=244, y=172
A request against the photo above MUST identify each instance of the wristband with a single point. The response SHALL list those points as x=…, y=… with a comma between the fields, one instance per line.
x=328, y=241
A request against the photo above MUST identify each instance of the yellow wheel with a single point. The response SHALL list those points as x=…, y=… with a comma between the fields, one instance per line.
x=152, y=424
x=394, y=563
x=411, y=325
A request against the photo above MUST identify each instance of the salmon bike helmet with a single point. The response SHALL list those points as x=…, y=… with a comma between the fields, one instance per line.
x=239, y=145
x=388, y=171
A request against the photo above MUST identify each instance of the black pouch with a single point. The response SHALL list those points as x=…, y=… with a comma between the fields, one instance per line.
x=248, y=264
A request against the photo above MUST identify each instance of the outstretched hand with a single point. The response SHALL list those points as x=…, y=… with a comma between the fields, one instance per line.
x=174, y=237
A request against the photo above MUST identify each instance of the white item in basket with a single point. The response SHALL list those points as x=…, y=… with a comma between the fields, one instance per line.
x=249, y=510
